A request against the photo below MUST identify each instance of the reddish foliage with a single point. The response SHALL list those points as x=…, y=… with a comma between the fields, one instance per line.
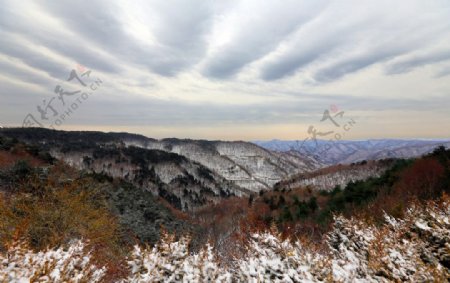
x=9, y=158
x=421, y=179
x=177, y=213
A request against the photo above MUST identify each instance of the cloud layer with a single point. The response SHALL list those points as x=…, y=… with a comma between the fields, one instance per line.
x=173, y=64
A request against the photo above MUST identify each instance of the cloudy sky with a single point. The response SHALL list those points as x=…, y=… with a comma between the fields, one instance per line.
x=228, y=69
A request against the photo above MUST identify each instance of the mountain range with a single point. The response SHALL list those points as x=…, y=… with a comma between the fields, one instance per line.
x=346, y=152
x=186, y=173
x=192, y=173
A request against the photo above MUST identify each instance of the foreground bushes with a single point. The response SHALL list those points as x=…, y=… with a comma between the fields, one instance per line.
x=170, y=261
x=73, y=264
x=52, y=206
x=414, y=249
x=54, y=210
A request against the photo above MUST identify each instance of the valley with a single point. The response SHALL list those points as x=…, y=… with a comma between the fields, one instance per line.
x=129, y=189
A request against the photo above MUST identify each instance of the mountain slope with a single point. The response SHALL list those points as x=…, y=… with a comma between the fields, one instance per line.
x=337, y=175
x=246, y=165
x=42, y=195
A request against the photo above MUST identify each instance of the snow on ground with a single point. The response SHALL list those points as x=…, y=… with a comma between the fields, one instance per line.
x=414, y=249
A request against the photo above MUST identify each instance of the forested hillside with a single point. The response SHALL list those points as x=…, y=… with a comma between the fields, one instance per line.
x=81, y=221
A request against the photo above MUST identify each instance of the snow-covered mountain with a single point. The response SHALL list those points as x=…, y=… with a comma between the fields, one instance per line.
x=346, y=152
x=336, y=175
x=187, y=173
x=245, y=164
x=181, y=182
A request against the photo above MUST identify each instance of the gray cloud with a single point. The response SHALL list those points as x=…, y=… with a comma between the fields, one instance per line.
x=316, y=41
x=353, y=64
x=175, y=48
x=181, y=31
x=179, y=27
x=301, y=108
x=290, y=63
x=24, y=75
x=338, y=43
x=261, y=34
x=17, y=23
x=408, y=65
x=443, y=72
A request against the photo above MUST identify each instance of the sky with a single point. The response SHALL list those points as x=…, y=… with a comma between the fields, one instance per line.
x=230, y=70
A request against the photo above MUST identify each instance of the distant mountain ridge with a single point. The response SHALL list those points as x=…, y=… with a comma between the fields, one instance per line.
x=347, y=152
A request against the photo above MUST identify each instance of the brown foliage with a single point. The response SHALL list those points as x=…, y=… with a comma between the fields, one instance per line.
x=63, y=207
x=175, y=212
x=422, y=179
x=9, y=158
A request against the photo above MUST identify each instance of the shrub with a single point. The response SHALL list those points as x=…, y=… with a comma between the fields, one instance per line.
x=53, y=211
x=71, y=264
x=171, y=261
x=21, y=169
x=414, y=249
